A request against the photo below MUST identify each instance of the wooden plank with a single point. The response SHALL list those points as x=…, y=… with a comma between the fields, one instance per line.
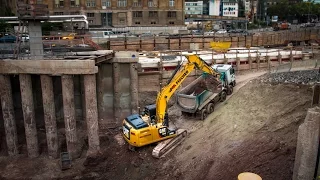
x=53, y=67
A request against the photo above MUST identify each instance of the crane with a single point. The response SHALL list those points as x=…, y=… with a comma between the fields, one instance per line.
x=152, y=125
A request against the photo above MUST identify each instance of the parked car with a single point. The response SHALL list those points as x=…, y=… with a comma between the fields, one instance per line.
x=25, y=37
x=209, y=33
x=148, y=34
x=164, y=34
x=221, y=31
x=71, y=36
x=8, y=39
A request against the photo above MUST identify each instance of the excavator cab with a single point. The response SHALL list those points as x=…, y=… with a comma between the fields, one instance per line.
x=150, y=111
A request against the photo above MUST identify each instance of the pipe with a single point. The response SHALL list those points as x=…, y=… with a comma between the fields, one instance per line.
x=67, y=17
x=54, y=17
x=74, y=20
x=55, y=21
x=9, y=18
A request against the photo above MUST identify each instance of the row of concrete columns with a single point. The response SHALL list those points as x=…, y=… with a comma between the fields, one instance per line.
x=91, y=115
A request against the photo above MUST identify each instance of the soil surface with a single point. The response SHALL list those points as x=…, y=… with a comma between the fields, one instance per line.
x=255, y=130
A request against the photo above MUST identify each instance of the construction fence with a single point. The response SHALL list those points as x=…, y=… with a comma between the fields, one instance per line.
x=180, y=42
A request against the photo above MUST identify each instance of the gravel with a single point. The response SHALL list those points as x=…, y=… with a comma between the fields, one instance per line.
x=307, y=77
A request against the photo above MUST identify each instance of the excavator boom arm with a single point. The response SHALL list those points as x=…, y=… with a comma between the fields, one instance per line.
x=167, y=91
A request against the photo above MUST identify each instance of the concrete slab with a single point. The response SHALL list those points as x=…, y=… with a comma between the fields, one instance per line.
x=51, y=67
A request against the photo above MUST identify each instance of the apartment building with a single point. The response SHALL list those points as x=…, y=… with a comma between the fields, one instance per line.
x=122, y=13
x=223, y=8
x=193, y=7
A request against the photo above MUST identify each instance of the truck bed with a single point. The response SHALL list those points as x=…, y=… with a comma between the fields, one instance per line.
x=197, y=94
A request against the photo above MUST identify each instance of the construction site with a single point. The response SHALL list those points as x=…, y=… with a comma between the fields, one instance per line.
x=183, y=108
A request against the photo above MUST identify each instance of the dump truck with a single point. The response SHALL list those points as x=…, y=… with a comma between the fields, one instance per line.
x=203, y=94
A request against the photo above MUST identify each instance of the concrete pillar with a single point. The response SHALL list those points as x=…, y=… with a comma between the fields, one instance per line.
x=91, y=108
x=268, y=62
x=258, y=61
x=49, y=116
x=69, y=115
x=28, y=115
x=238, y=63
x=225, y=59
x=8, y=115
x=279, y=58
x=316, y=95
x=35, y=33
x=250, y=61
x=116, y=92
x=134, y=87
x=307, y=146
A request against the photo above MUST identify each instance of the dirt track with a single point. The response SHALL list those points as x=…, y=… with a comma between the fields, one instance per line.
x=255, y=130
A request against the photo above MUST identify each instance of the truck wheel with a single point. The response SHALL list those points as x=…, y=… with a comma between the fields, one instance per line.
x=210, y=108
x=230, y=90
x=204, y=114
x=223, y=96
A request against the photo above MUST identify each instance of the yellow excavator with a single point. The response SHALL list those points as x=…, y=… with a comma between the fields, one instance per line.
x=152, y=125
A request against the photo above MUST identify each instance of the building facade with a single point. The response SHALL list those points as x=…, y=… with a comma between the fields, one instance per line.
x=193, y=7
x=223, y=8
x=122, y=13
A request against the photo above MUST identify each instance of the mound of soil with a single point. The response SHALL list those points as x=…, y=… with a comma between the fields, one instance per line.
x=256, y=131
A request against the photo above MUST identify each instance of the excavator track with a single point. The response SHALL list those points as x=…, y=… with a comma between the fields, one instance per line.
x=166, y=146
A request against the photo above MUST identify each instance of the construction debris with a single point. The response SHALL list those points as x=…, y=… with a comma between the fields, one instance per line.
x=309, y=77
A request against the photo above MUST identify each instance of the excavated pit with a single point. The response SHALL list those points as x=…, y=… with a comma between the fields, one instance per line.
x=255, y=130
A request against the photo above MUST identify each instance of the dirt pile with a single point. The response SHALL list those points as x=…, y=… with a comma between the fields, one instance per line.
x=255, y=130
x=297, y=77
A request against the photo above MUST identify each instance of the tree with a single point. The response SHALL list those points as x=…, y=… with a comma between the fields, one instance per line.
x=4, y=26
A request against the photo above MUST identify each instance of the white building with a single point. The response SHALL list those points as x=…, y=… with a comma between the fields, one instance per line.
x=223, y=8
x=193, y=7
x=230, y=9
x=214, y=7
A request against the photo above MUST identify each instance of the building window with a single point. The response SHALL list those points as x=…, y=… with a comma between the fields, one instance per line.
x=137, y=22
x=153, y=14
x=172, y=14
x=121, y=20
x=106, y=3
x=74, y=13
x=58, y=13
x=122, y=3
x=137, y=3
x=72, y=3
x=150, y=3
x=137, y=14
x=91, y=3
x=171, y=3
x=171, y=22
x=153, y=22
x=61, y=3
x=90, y=14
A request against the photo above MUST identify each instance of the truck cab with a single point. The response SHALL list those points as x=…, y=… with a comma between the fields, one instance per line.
x=227, y=73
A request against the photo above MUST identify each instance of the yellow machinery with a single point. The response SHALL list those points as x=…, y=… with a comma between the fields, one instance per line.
x=220, y=46
x=153, y=124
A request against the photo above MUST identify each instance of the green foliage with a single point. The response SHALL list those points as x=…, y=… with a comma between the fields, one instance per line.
x=4, y=26
x=284, y=10
x=48, y=26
